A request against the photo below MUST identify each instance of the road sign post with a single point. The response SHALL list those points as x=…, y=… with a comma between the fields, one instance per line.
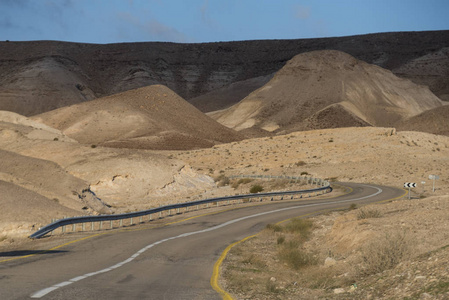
x=434, y=177
x=409, y=185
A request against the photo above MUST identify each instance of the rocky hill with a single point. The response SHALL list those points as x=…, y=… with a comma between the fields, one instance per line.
x=39, y=76
x=328, y=89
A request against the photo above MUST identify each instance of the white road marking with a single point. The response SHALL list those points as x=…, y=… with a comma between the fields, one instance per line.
x=48, y=290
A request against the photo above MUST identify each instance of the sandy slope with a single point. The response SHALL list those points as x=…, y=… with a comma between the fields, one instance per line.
x=433, y=121
x=152, y=117
x=355, y=93
x=42, y=165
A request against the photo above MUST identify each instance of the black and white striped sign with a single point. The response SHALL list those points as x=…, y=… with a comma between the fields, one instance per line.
x=409, y=184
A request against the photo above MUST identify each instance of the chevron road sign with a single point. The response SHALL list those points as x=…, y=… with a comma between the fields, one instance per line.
x=410, y=185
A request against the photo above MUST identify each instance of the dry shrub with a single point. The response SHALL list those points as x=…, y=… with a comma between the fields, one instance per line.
x=301, y=226
x=368, y=213
x=256, y=189
x=255, y=261
x=222, y=180
x=274, y=227
x=385, y=253
x=295, y=257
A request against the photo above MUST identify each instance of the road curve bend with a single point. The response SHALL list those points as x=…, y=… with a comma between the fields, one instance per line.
x=170, y=262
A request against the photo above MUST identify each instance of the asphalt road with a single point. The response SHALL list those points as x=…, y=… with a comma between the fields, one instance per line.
x=170, y=262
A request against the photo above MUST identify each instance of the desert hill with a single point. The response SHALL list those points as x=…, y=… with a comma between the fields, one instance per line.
x=29, y=84
x=151, y=117
x=328, y=89
x=432, y=121
x=45, y=175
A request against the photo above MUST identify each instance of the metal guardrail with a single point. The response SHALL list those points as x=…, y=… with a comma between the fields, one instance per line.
x=324, y=185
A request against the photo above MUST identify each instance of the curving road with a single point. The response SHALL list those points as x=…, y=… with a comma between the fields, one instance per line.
x=169, y=262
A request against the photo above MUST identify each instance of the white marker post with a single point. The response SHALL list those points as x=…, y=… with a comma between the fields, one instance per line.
x=434, y=177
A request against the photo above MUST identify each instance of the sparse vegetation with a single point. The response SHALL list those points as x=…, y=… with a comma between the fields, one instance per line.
x=256, y=189
x=295, y=257
x=385, y=253
x=368, y=213
x=222, y=180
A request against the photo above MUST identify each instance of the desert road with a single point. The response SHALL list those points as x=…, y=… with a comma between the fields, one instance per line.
x=169, y=262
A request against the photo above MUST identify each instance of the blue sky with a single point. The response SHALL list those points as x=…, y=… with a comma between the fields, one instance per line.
x=194, y=21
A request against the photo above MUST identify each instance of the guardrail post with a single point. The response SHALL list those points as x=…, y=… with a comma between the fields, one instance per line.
x=121, y=222
x=160, y=215
x=63, y=229
x=178, y=210
x=101, y=225
x=141, y=221
x=91, y=226
x=131, y=221
x=83, y=228
x=73, y=227
x=110, y=224
x=150, y=218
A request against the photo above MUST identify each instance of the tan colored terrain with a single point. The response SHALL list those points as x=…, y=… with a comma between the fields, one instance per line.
x=365, y=154
x=328, y=88
x=42, y=166
x=433, y=121
x=152, y=117
x=399, y=251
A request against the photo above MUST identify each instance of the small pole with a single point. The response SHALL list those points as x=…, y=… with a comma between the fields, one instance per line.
x=409, y=191
x=110, y=224
x=433, y=189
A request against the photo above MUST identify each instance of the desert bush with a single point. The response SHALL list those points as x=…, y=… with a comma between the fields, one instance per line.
x=255, y=261
x=300, y=163
x=352, y=206
x=236, y=184
x=301, y=226
x=271, y=287
x=245, y=180
x=385, y=253
x=274, y=227
x=280, y=240
x=256, y=189
x=222, y=180
x=368, y=213
x=295, y=257
x=304, y=173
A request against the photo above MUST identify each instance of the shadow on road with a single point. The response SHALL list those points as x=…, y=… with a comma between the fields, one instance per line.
x=29, y=252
